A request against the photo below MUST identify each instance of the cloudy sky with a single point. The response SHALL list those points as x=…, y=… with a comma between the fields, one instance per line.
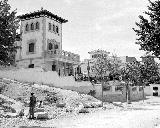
x=93, y=24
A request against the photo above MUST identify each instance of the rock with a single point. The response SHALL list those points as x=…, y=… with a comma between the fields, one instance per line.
x=8, y=108
x=9, y=115
x=42, y=115
x=96, y=104
x=17, y=107
x=83, y=110
x=61, y=105
x=86, y=105
x=90, y=104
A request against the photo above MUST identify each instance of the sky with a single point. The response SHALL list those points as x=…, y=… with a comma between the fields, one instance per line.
x=93, y=24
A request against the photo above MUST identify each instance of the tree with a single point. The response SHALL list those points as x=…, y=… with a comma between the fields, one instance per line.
x=148, y=31
x=138, y=74
x=101, y=67
x=115, y=67
x=149, y=70
x=104, y=65
x=131, y=75
x=8, y=31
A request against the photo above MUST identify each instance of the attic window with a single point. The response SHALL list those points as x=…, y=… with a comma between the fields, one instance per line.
x=27, y=27
x=49, y=26
x=37, y=25
x=53, y=27
x=57, y=30
x=32, y=26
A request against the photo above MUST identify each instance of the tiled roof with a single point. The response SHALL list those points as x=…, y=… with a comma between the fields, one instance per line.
x=42, y=13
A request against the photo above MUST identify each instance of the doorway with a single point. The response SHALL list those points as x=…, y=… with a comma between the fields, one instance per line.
x=53, y=67
x=155, y=91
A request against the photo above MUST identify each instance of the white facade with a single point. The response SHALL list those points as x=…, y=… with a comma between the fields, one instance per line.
x=154, y=90
x=41, y=43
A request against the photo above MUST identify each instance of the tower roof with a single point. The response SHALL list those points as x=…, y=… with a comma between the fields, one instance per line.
x=40, y=13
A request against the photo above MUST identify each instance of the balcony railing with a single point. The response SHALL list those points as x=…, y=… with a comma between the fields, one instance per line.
x=61, y=54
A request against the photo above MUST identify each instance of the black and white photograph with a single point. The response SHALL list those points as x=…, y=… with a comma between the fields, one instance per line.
x=79, y=63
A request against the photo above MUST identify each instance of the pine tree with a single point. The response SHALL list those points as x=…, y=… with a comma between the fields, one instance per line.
x=148, y=31
x=8, y=27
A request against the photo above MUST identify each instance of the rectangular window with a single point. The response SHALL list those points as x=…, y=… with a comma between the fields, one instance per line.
x=31, y=47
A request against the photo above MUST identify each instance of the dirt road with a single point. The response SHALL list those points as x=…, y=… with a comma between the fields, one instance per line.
x=136, y=115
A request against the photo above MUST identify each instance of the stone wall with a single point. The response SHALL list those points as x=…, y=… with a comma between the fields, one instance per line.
x=136, y=93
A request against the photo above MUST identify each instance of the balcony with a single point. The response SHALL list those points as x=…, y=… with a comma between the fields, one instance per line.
x=62, y=55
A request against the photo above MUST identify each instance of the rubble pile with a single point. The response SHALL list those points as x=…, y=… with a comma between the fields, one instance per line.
x=71, y=99
x=57, y=103
x=50, y=96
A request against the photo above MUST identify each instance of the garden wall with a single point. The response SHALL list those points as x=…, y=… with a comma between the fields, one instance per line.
x=114, y=95
x=49, y=78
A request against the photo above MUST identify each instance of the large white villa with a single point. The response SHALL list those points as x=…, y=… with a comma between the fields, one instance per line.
x=41, y=43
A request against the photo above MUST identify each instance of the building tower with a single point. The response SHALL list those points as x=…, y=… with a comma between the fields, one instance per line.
x=41, y=43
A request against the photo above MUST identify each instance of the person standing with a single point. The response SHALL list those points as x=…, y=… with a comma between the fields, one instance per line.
x=32, y=105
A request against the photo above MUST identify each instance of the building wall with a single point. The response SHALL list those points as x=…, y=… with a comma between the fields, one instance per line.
x=148, y=91
x=18, y=54
x=38, y=62
x=23, y=63
x=32, y=35
x=50, y=35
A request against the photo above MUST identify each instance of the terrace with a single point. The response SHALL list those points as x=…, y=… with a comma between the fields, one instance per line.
x=63, y=56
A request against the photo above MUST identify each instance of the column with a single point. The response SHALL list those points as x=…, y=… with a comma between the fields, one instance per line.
x=65, y=68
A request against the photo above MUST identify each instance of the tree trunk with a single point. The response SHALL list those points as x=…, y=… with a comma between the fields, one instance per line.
x=127, y=93
x=102, y=89
x=143, y=92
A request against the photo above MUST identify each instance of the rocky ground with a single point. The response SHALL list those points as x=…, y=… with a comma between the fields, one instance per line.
x=57, y=102
x=120, y=115
x=69, y=109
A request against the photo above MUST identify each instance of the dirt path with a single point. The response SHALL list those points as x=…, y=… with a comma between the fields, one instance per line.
x=135, y=115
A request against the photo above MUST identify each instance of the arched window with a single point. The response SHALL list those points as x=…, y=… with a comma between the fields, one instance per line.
x=57, y=30
x=49, y=26
x=50, y=46
x=53, y=27
x=32, y=26
x=37, y=25
x=55, y=46
x=27, y=27
x=31, y=47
